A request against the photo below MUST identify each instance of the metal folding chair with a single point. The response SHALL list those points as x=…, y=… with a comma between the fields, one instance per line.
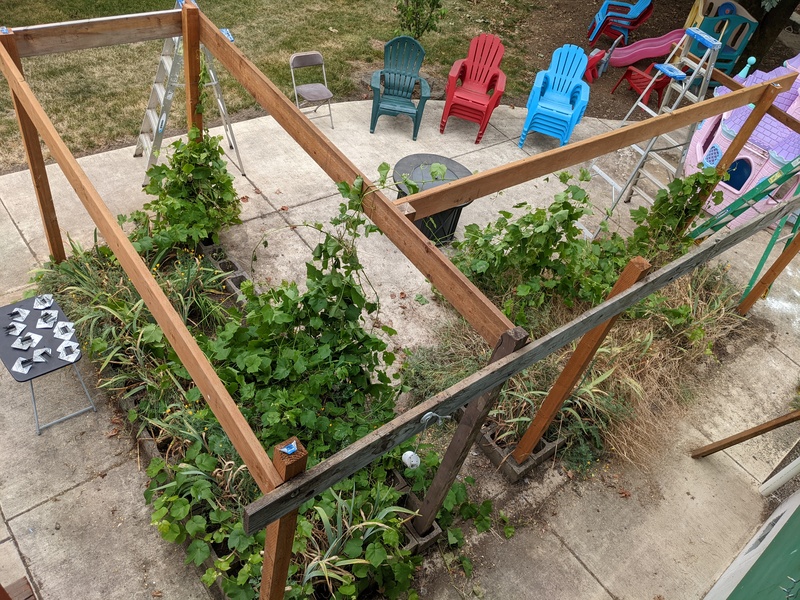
x=310, y=93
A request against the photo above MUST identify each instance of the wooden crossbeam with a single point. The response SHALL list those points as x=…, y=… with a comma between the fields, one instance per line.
x=39, y=40
x=577, y=364
x=478, y=185
x=488, y=320
x=358, y=455
x=193, y=359
x=747, y=434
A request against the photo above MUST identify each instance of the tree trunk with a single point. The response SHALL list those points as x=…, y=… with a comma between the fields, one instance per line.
x=770, y=25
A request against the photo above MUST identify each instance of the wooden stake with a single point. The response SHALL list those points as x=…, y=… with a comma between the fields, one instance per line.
x=747, y=434
x=762, y=287
x=191, y=65
x=469, y=428
x=634, y=272
x=280, y=533
x=33, y=151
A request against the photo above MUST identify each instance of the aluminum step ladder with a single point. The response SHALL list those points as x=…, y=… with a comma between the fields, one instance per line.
x=689, y=79
x=168, y=78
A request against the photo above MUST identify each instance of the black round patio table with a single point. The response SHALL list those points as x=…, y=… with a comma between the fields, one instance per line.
x=441, y=227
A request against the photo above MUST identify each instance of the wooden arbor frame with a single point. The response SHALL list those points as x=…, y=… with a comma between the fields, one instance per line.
x=512, y=353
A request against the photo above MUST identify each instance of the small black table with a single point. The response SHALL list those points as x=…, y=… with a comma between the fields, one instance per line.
x=441, y=227
x=35, y=341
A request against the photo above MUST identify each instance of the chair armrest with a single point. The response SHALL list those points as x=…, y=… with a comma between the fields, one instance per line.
x=424, y=89
x=456, y=72
x=579, y=94
x=375, y=84
x=500, y=83
x=540, y=85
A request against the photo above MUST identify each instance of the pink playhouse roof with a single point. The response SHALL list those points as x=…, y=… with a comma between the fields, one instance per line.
x=780, y=141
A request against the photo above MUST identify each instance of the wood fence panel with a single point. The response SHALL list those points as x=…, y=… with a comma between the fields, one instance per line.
x=358, y=455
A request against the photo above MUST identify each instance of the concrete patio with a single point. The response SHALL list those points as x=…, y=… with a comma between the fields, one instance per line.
x=74, y=519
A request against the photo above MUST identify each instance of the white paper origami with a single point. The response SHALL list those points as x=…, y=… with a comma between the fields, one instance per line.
x=47, y=319
x=19, y=314
x=42, y=354
x=43, y=301
x=69, y=351
x=27, y=341
x=64, y=330
x=14, y=328
x=23, y=365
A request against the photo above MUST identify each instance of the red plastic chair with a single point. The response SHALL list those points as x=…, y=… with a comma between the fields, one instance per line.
x=638, y=80
x=592, y=65
x=482, y=83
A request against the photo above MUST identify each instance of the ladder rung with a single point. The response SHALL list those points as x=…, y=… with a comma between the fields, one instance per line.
x=160, y=91
x=647, y=109
x=152, y=118
x=661, y=160
x=643, y=194
x=607, y=178
x=166, y=61
x=652, y=178
x=144, y=146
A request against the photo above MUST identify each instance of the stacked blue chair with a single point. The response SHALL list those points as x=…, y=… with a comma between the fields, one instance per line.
x=559, y=96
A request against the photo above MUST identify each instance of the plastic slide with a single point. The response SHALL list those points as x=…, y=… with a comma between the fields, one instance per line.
x=649, y=48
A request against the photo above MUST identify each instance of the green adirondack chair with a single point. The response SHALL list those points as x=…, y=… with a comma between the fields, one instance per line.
x=402, y=58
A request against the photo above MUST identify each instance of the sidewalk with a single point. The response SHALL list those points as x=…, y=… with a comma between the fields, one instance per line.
x=74, y=519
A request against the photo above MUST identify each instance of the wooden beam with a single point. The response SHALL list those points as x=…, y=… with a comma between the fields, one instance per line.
x=485, y=317
x=363, y=452
x=38, y=171
x=193, y=359
x=577, y=364
x=773, y=111
x=746, y=130
x=762, y=287
x=280, y=533
x=39, y=40
x=455, y=193
x=468, y=430
x=747, y=434
x=191, y=65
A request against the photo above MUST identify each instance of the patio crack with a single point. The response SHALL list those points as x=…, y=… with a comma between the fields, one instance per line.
x=584, y=565
x=21, y=235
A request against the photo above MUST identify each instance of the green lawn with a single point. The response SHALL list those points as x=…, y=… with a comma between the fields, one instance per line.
x=96, y=98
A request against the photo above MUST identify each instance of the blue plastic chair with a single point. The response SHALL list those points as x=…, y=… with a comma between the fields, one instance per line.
x=559, y=96
x=619, y=16
x=733, y=32
x=402, y=59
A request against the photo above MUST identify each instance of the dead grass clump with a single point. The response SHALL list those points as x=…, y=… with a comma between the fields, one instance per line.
x=637, y=385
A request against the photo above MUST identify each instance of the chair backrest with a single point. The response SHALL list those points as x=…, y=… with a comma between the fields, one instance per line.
x=634, y=10
x=731, y=30
x=566, y=67
x=402, y=59
x=298, y=60
x=485, y=53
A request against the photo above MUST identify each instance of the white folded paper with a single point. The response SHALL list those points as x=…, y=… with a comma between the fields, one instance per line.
x=42, y=354
x=43, y=301
x=64, y=330
x=26, y=341
x=23, y=365
x=19, y=314
x=47, y=319
x=69, y=351
x=14, y=328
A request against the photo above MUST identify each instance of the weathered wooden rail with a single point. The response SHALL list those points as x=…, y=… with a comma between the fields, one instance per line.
x=287, y=486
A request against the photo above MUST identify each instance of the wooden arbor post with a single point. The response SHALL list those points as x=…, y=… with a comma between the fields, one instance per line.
x=634, y=271
x=469, y=427
x=190, y=18
x=290, y=459
x=33, y=152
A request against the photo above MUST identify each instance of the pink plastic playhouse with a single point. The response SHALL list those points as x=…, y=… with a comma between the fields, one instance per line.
x=770, y=147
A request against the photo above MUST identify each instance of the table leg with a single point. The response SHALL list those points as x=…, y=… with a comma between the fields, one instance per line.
x=35, y=413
